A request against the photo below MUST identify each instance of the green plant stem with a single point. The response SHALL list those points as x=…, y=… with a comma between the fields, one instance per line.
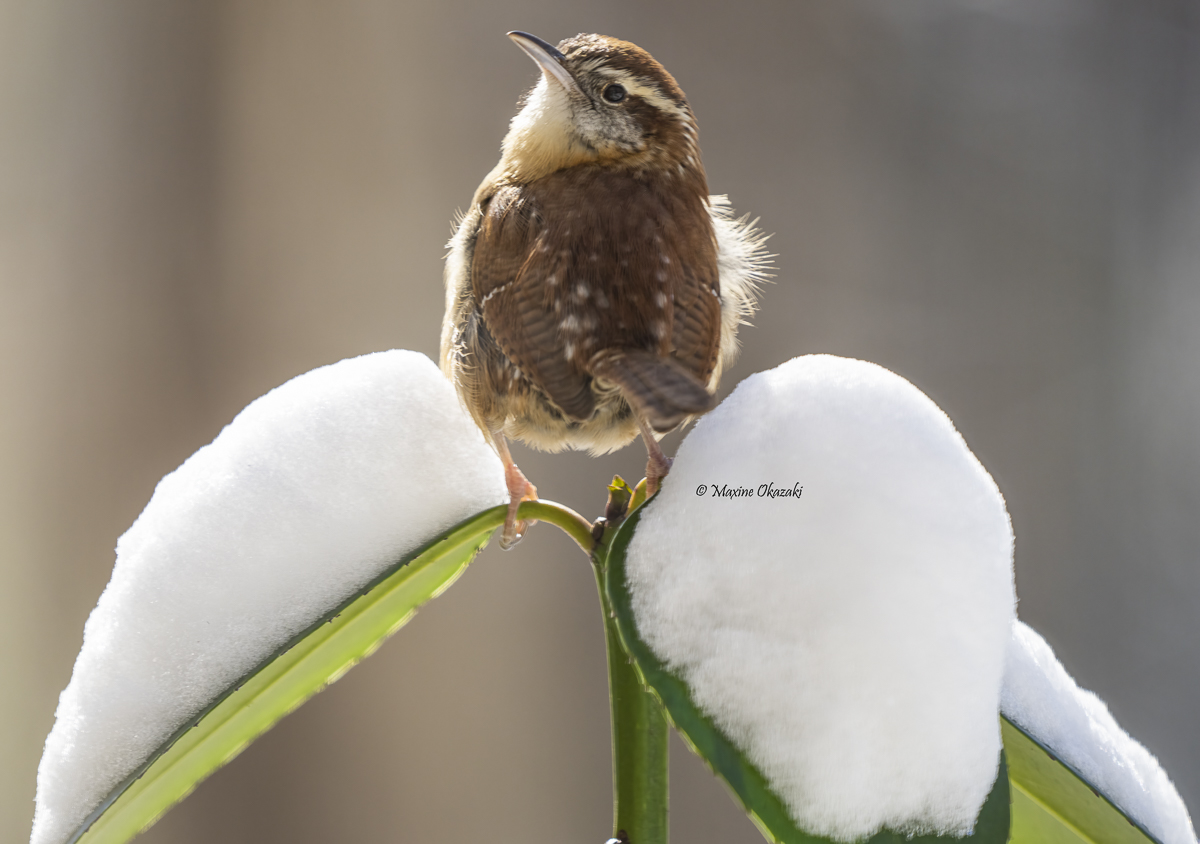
x=639, y=734
x=573, y=524
x=639, y=726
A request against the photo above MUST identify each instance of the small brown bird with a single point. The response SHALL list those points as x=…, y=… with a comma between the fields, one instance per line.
x=594, y=289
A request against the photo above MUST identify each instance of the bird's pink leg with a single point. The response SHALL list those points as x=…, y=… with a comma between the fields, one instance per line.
x=519, y=489
x=658, y=464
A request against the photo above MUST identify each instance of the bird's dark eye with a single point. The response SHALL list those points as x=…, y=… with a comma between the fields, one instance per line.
x=614, y=93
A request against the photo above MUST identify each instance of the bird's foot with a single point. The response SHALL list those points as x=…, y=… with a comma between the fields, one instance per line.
x=658, y=463
x=519, y=489
x=657, y=468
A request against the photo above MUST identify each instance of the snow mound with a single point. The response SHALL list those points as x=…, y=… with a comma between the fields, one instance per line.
x=1041, y=698
x=829, y=568
x=311, y=492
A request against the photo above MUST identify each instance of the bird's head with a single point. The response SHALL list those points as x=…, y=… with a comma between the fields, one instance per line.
x=599, y=101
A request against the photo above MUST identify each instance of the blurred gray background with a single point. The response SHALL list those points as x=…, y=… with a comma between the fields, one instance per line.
x=998, y=200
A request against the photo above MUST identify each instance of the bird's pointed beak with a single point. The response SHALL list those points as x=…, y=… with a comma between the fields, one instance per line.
x=548, y=58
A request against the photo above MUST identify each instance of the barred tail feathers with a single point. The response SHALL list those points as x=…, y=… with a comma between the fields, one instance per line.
x=658, y=388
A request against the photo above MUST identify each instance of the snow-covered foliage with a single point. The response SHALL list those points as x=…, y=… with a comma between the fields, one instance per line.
x=828, y=567
x=1041, y=698
x=312, y=491
x=849, y=639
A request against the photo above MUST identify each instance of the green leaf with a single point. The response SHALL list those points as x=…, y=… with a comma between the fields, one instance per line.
x=1052, y=804
x=747, y=783
x=304, y=666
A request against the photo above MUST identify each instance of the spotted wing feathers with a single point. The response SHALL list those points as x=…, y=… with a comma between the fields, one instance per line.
x=588, y=274
x=518, y=286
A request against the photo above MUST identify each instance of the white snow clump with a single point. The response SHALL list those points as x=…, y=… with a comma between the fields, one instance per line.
x=851, y=640
x=1040, y=697
x=311, y=492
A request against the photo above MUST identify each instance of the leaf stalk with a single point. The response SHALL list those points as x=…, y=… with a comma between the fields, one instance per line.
x=639, y=728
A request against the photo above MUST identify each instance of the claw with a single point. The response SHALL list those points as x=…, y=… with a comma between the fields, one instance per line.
x=656, y=470
x=519, y=489
x=658, y=464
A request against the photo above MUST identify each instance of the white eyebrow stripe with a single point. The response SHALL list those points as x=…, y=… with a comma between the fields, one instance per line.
x=597, y=66
x=652, y=95
x=642, y=87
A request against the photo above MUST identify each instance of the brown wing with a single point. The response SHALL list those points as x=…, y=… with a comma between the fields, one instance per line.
x=589, y=261
x=696, y=323
x=514, y=278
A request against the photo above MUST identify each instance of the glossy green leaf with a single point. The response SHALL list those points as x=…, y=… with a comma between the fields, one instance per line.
x=746, y=782
x=1051, y=804
x=304, y=666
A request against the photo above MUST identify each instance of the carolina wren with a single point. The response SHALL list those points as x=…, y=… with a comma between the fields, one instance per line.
x=594, y=289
